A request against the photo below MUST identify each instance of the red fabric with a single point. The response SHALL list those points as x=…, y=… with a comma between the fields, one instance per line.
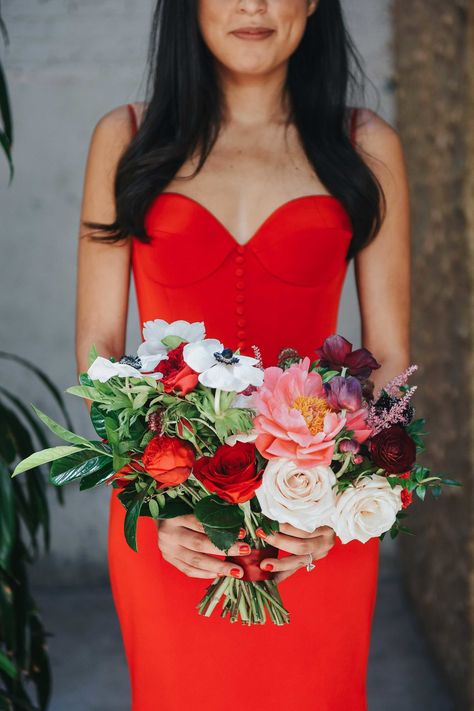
x=281, y=289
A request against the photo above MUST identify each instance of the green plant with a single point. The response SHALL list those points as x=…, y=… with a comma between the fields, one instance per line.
x=24, y=521
x=6, y=132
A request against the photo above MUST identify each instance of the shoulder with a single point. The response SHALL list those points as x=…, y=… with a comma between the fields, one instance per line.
x=112, y=134
x=375, y=136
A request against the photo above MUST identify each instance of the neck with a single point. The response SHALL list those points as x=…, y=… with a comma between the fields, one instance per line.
x=254, y=100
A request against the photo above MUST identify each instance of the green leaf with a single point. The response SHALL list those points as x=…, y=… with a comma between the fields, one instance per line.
x=154, y=508
x=111, y=431
x=91, y=480
x=216, y=513
x=134, y=506
x=92, y=355
x=76, y=466
x=172, y=341
x=421, y=492
x=7, y=517
x=436, y=490
x=451, y=482
x=173, y=508
x=98, y=420
x=88, y=393
x=222, y=538
x=60, y=430
x=7, y=666
x=44, y=456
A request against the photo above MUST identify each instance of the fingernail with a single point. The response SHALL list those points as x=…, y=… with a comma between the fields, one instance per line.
x=242, y=533
x=244, y=549
x=261, y=533
x=236, y=573
x=268, y=566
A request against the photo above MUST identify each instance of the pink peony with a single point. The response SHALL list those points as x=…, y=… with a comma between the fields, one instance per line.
x=294, y=419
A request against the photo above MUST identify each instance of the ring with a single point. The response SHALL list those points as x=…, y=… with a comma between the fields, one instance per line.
x=310, y=565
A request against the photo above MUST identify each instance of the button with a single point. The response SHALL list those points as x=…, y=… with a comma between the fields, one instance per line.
x=241, y=322
x=240, y=310
x=240, y=298
x=239, y=259
x=241, y=334
x=240, y=249
x=239, y=272
x=239, y=285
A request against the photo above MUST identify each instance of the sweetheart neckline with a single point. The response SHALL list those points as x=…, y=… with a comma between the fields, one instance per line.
x=277, y=210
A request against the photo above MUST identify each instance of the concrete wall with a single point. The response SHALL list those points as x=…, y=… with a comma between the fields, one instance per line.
x=68, y=62
x=435, y=99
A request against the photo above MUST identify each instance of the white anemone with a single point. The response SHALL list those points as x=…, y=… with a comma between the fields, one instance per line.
x=103, y=369
x=219, y=367
x=153, y=350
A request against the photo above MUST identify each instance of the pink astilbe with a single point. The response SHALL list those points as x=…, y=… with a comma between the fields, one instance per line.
x=378, y=421
x=393, y=386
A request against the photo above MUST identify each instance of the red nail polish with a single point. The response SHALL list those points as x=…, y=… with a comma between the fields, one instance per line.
x=242, y=533
x=261, y=533
x=235, y=572
x=268, y=566
x=244, y=549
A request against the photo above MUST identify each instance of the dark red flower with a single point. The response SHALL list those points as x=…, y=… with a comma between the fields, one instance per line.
x=336, y=353
x=393, y=449
x=177, y=375
x=231, y=472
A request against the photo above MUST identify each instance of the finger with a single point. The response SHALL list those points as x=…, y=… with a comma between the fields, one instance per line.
x=190, y=521
x=290, y=544
x=190, y=571
x=201, y=543
x=207, y=563
x=289, y=562
x=299, y=533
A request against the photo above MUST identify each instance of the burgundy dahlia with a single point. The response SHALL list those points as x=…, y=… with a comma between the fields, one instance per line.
x=393, y=449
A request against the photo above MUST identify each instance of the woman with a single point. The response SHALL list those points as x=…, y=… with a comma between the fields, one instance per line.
x=257, y=184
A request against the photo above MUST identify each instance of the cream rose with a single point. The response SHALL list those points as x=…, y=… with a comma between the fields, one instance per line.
x=367, y=509
x=301, y=496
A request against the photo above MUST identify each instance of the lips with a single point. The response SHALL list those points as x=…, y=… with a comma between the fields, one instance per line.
x=253, y=32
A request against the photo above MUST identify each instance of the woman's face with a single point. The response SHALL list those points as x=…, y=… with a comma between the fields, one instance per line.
x=283, y=20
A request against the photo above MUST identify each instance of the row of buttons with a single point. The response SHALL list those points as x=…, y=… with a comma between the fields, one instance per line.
x=240, y=297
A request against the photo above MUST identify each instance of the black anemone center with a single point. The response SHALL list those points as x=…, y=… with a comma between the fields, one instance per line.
x=226, y=356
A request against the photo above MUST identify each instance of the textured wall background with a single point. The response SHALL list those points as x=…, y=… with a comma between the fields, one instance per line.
x=435, y=71
x=70, y=61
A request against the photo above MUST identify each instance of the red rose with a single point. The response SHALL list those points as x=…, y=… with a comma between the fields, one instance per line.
x=177, y=375
x=393, y=449
x=169, y=460
x=231, y=472
x=407, y=498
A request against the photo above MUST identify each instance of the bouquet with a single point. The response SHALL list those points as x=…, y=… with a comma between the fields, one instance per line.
x=190, y=426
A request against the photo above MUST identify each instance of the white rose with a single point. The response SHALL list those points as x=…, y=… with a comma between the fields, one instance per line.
x=301, y=496
x=367, y=509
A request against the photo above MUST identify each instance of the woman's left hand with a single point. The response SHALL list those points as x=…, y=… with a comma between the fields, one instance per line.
x=300, y=544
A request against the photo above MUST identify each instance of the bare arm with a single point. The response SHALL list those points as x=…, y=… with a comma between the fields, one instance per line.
x=103, y=270
x=383, y=268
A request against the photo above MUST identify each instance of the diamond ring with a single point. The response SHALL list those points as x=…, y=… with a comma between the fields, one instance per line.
x=310, y=565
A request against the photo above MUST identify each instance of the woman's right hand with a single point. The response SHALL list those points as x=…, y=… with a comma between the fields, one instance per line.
x=184, y=544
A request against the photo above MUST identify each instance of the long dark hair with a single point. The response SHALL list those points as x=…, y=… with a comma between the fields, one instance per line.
x=185, y=108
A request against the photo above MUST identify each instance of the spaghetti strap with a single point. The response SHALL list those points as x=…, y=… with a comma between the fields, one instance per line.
x=353, y=126
x=133, y=117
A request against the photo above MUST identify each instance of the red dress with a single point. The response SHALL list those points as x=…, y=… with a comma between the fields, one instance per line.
x=282, y=288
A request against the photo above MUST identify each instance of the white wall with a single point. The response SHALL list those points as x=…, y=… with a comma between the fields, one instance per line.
x=68, y=62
